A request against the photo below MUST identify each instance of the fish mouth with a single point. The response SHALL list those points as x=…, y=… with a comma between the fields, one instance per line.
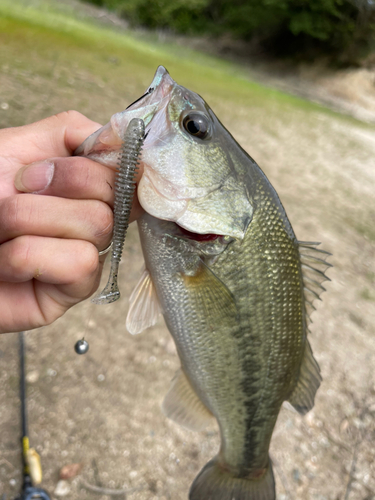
x=104, y=144
x=159, y=89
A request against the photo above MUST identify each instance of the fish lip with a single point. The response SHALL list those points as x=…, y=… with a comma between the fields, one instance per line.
x=161, y=74
x=144, y=202
x=160, y=87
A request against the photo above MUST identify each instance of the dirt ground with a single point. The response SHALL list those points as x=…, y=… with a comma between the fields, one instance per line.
x=103, y=409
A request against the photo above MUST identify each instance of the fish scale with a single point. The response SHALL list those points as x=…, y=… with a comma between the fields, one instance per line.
x=257, y=256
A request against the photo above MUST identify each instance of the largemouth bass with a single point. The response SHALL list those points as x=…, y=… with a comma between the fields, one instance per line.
x=223, y=265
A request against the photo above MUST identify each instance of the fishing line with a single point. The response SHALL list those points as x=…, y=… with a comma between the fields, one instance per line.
x=150, y=90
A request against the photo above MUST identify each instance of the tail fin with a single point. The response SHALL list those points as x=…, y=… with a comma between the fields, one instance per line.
x=213, y=483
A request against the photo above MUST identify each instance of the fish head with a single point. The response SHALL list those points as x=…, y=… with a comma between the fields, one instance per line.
x=194, y=172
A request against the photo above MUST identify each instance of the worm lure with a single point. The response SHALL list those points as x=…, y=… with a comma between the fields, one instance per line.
x=124, y=191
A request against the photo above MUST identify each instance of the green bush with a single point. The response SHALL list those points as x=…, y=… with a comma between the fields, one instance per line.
x=184, y=16
x=342, y=28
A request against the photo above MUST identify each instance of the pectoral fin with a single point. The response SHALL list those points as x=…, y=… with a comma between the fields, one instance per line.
x=144, y=308
x=303, y=395
x=183, y=405
x=210, y=297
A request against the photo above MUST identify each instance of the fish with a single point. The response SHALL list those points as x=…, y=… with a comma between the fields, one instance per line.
x=235, y=286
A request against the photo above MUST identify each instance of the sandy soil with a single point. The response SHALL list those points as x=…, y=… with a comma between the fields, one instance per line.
x=102, y=409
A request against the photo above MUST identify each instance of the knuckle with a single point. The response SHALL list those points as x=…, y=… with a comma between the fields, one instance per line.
x=103, y=217
x=73, y=179
x=12, y=215
x=68, y=116
x=74, y=115
x=19, y=256
x=89, y=260
x=83, y=178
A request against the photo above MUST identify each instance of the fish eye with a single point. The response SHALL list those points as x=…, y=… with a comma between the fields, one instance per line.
x=197, y=124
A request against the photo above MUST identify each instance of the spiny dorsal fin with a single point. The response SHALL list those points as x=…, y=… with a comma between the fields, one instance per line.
x=183, y=405
x=144, y=307
x=314, y=265
x=303, y=395
x=310, y=308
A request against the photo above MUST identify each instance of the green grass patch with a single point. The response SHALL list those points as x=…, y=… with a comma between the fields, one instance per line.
x=60, y=36
x=367, y=294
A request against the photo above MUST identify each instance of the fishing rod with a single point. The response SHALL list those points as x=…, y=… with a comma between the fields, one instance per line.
x=32, y=470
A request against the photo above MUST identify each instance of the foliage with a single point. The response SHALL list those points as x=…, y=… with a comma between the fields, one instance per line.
x=343, y=28
x=179, y=15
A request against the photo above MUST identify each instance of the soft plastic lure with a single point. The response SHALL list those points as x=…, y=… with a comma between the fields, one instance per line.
x=124, y=192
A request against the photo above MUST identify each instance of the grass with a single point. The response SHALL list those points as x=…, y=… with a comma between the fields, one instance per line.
x=60, y=37
x=367, y=294
x=56, y=42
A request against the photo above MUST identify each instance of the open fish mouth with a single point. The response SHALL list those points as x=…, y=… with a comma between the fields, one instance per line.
x=104, y=144
x=209, y=245
x=160, y=87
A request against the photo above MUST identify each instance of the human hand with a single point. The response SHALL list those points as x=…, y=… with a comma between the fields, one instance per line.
x=55, y=214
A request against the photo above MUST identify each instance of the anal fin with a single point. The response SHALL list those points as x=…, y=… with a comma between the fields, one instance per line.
x=302, y=397
x=183, y=405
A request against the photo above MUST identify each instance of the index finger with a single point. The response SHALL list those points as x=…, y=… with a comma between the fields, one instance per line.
x=57, y=135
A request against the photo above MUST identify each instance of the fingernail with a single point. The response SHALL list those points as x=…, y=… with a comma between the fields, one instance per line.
x=34, y=177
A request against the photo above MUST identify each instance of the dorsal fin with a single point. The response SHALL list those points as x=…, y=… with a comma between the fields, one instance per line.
x=314, y=265
x=144, y=306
